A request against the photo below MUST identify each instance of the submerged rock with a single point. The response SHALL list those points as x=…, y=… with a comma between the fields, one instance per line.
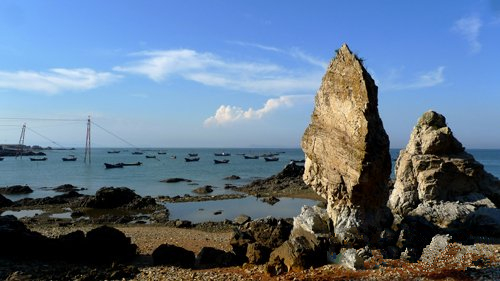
x=347, y=149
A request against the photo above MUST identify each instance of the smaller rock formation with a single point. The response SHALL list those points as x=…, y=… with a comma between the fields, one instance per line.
x=347, y=150
x=119, y=197
x=437, y=180
x=204, y=189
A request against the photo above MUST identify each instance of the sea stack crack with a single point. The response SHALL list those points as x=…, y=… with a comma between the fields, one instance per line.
x=347, y=150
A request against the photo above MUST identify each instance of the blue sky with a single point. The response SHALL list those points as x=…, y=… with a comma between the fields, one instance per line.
x=239, y=73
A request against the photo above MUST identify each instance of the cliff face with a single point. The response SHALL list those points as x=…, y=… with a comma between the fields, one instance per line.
x=347, y=148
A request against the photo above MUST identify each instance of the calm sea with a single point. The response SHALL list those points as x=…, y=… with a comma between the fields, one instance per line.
x=145, y=179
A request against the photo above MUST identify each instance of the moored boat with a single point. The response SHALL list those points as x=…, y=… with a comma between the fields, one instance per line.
x=131, y=164
x=251, y=156
x=38, y=159
x=222, y=154
x=137, y=153
x=193, y=154
x=113, y=151
x=111, y=166
x=223, y=161
x=69, y=158
x=271, y=159
x=1, y=158
x=192, y=159
x=150, y=156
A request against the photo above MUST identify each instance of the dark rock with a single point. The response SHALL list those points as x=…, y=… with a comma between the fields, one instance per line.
x=67, y=188
x=4, y=202
x=16, y=240
x=209, y=257
x=241, y=219
x=203, y=190
x=270, y=232
x=270, y=200
x=16, y=189
x=167, y=254
x=218, y=212
x=175, y=180
x=484, y=222
x=77, y=214
x=415, y=234
x=106, y=244
x=183, y=223
x=160, y=216
x=257, y=253
x=232, y=177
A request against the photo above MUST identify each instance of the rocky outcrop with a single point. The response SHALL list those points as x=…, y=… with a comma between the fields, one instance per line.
x=347, y=149
x=438, y=180
x=4, y=202
x=119, y=197
x=16, y=189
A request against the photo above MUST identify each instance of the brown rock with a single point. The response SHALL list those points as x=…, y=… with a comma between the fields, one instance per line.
x=437, y=179
x=347, y=148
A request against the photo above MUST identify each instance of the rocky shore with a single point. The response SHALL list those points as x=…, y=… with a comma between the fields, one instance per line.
x=438, y=220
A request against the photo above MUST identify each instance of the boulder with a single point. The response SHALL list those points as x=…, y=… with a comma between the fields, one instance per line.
x=4, y=202
x=67, y=188
x=484, y=222
x=438, y=180
x=347, y=149
x=167, y=254
x=175, y=180
x=16, y=189
x=257, y=253
x=242, y=219
x=204, y=189
x=308, y=242
x=210, y=257
x=414, y=235
x=351, y=260
x=437, y=247
x=232, y=177
x=105, y=244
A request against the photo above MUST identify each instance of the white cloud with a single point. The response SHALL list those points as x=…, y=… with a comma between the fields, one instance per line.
x=426, y=80
x=55, y=80
x=469, y=28
x=211, y=70
x=228, y=114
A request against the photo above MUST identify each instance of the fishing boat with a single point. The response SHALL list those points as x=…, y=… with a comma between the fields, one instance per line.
x=298, y=161
x=137, y=153
x=222, y=154
x=113, y=151
x=1, y=158
x=251, y=156
x=69, y=158
x=38, y=159
x=223, y=161
x=192, y=159
x=112, y=166
x=150, y=156
x=271, y=159
x=131, y=164
x=193, y=154
x=160, y=152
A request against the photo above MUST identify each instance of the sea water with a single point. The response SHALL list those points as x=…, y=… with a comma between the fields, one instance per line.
x=145, y=180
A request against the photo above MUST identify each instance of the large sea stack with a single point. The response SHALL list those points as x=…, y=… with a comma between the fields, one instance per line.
x=347, y=150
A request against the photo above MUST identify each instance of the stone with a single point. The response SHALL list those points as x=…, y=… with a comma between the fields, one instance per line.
x=204, y=189
x=271, y=200
x=351, y=260
x=175, y=180
x=232, y=177
x=167, y=254
x=414, y=235
x=437, y=179
x=257, y=253
x=484, y=222
x=16, y=189
x=4, y=202
x=347, y=149
x=437, y=247
x=210, y=257
x=106, y=244
x=241, y=219
x=67, y=188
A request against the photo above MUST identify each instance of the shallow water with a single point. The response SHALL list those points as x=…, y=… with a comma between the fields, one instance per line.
x=145, y=179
